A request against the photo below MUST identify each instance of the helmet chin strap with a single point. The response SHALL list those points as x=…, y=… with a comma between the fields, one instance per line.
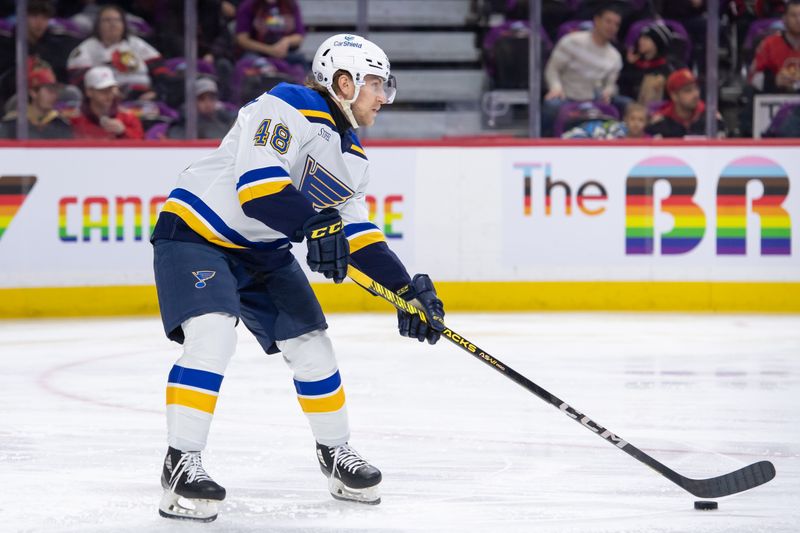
x=346, y=109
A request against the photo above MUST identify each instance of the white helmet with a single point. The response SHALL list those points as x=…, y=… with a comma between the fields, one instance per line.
x=359, y=57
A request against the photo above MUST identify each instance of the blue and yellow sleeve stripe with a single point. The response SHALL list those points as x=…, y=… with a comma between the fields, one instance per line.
x=357, y=151
x=318, y=117
x=323, y=396
x=352, y=145
x=308, y=103
x=195, y=389
x=205, y=222
x=261, y=182
x=362, y=234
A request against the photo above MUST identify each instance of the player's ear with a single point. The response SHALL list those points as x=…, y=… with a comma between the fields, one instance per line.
x=345, y=86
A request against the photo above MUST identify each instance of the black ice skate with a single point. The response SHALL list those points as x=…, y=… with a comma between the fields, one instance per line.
x=189, y=492
x=350, y=477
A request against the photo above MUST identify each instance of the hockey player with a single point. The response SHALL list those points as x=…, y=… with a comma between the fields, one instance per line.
x=290, y=169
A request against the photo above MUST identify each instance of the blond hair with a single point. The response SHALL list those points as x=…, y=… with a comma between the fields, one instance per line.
x=312, y=83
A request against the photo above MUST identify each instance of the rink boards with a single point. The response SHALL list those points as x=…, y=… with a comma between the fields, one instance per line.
x=513, y=226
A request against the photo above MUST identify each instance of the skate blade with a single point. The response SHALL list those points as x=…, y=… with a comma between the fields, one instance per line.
x=340, y=491
x=180, y=508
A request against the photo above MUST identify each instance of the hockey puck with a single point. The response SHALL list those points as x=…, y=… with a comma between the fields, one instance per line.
x=705, y=505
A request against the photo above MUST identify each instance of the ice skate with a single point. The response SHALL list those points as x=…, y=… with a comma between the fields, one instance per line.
x=350, y=477
x=189, y=492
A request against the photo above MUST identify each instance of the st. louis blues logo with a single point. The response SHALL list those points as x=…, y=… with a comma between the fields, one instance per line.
x=203, y=276
x=322, y=187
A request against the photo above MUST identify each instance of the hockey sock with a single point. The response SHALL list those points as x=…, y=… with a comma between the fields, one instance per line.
x=195, y=379
x=319, y=385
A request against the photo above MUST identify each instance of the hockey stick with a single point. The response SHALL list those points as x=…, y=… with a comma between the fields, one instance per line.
x=715, y=487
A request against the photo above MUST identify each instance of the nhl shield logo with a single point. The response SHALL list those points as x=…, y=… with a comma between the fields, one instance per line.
x=203, y=276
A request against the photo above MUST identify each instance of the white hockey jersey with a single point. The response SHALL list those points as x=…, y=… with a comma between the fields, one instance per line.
x=128, y=59
x=239, y=196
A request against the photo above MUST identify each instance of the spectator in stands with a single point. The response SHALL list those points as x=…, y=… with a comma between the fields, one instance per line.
x=776, y=68
x=647, y=66
x=132, y=59
x=100, y=118
x=742, y=14
x=629, y=10
x=584, y=66
x=273, y=29
x=600, y=128
x=213, y=119
x=635, y=121
x=685, y=113
x=605, y=127
x=43, y=45
x=44, y=122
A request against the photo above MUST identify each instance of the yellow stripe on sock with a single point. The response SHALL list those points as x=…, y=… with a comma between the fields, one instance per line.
x=191, y=398
x=328, y=404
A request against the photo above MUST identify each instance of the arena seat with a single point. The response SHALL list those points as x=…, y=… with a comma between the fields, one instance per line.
x=419, y=13
x=425, y=124
x=434, y=55
x=439, y=85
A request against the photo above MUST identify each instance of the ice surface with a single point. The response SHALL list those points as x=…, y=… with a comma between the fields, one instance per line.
x=462, y=448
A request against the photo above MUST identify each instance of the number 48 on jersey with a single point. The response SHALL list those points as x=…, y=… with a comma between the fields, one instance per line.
x=279, y=140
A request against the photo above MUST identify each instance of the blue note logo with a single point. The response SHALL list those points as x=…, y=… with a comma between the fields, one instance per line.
x=203, y=276
x=322, y=187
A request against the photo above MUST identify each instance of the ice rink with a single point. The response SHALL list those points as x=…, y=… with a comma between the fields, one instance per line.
x=462, y=448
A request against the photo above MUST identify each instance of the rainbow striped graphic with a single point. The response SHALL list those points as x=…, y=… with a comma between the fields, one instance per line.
x=90, y=223
x=156, y=203
x=527, y=182
x=527, y=198
x=136, y=204
x=372, y=207
x=390, y=216
x=776, y=225
x=689, y=219
x=13, y=191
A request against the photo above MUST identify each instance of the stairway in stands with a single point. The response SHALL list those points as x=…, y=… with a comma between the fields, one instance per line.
x=434, y=55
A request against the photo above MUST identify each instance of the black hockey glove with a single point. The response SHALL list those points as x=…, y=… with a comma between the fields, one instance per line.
x=422, y=293
x=328, y=248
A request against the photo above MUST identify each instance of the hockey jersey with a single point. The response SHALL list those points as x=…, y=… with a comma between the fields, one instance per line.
x=288, y=155
x=128, y=58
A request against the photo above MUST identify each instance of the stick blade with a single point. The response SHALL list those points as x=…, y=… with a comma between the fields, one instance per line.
x=738, y=481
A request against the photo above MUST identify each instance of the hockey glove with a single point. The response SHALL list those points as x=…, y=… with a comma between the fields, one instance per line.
x=422, y=293
x=328, y=248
